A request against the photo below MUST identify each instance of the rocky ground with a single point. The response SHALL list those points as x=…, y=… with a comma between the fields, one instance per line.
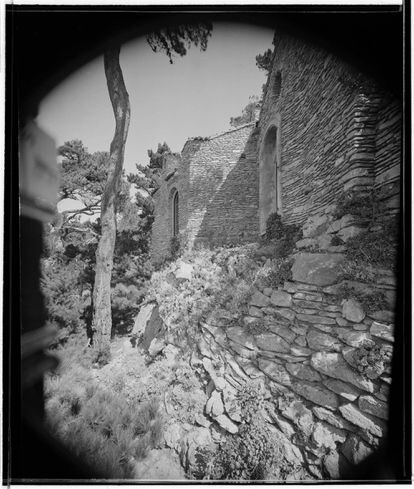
x=257, y=375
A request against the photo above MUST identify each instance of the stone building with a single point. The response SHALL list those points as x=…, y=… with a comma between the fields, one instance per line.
x=324, y=128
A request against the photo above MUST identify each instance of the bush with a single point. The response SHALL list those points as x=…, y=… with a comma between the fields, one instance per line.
x=221, y=279
x=360, y=272
x=280, y=272
x=102, y=356
x=274, y=227
x=370, y=301
x=359, y=204
x=371, y=360
x=186, y=395
x=377, y=248
x=336, y=241
x=257, y=327
x=100, y=426
x=282, y=236
x=61, y=286
x=250, y=454
x=175, y=246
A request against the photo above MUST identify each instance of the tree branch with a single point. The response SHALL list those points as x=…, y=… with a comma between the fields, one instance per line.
x=88, y=210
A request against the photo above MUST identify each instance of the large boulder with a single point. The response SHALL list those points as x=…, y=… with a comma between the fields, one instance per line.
x=317, y=268
x=142, y=318
x=154, y=327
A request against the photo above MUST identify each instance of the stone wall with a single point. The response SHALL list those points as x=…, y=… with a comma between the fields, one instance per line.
x=319, y=358
x=388, y=155
x=324, y=128
x=223, y=191
x=217, y=181
x=337, y=129
x=324, y=361
x=174, y=177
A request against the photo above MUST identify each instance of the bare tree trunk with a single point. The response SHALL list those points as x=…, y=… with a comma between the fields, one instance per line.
x=102, y=319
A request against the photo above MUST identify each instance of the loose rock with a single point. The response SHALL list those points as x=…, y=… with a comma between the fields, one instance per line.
x=317, y=269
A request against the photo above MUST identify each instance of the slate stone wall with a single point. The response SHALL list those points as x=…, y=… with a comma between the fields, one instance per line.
x=335, y=130
x=217, y=181
x=324, y=360
x=173, y=177
x=388, y=154
x=338, y=130
x=223, y=189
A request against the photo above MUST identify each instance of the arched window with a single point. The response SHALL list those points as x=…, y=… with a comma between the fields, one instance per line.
x=175, y=216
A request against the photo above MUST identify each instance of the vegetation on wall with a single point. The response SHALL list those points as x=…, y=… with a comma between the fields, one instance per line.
x=217, y=281
x=377, y=244
x=249, y=113
x=377, y=248
x=254, y=453
x=370, y=300
x=358, y=204
x=264, y=61
x=372, y=359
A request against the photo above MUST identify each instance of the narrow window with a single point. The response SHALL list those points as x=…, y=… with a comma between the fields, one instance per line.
x=175, y=215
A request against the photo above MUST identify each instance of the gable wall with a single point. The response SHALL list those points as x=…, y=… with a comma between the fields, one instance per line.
x=223, y=191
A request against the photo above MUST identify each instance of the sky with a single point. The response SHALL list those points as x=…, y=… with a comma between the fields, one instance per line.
x=195, y=96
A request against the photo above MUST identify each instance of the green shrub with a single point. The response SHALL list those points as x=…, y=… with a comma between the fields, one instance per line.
x=274, y=227
x=257, y=327
x=360, y=272
x=370, y=301
x=336, y=241
x=282, y=235
x=359, y=204
x=61, y=287
x=101, y=427
x=102, y=356
x=175, y=246
x=280, y=272
x=377, y=248
x=221, y=279
x=371, y=360
x=253, y=451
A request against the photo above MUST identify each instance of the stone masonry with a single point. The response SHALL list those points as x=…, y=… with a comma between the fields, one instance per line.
x=217, y=182
x=337, y=130
x=324, y=128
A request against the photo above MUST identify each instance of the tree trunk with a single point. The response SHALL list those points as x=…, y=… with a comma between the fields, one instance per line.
x=102, y=318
